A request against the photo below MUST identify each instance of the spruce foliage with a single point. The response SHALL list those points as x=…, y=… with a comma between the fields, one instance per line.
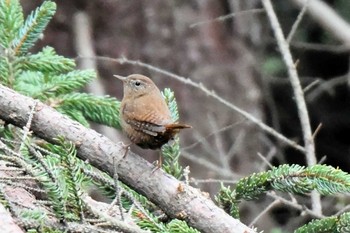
x=293, y=179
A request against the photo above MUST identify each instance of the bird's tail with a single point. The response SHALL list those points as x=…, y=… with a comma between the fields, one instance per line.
x=177, y=126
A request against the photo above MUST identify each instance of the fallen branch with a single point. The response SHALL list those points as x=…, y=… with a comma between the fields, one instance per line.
x=188, y=204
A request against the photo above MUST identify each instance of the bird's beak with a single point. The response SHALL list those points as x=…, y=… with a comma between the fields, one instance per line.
x=120, y=77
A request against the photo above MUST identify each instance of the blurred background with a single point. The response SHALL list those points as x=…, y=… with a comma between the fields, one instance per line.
x=237, y=57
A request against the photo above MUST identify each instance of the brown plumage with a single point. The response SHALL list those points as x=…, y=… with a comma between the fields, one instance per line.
x=144, y=116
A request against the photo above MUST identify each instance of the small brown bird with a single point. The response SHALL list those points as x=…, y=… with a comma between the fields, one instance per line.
x=144, y=115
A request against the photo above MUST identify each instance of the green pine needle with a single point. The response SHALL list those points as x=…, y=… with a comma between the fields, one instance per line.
x=4, y=71
x=285, y=178
x=37, y=215
x=178, y=226
x=73, y=114
x=343, y=224
x=169, y=97
x=38, y=85
x=294, y=179
x=11, y=19
x=171, y=154
x=52, y=186
x=61, y=175
x=226, y=199
x=33, y=27
x=171, y=150
x=253, y=186
x=326, y=225
x=73, y=180
x=328, y=180
x=99, y=109
x=45, y=61
x=291, y=178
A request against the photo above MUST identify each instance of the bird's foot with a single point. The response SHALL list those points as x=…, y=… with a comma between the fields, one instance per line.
x=159, y=163
x=126, y=147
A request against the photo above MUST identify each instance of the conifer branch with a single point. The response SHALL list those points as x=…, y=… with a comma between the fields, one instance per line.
x=45, y=61
x=32, y=28
x=11, y=19
x=99, y=109
x=334, y=224
x=42, y=86
x=294, y=179
x=171, y=150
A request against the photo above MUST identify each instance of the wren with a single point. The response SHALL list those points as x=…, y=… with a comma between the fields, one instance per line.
x=144, y=115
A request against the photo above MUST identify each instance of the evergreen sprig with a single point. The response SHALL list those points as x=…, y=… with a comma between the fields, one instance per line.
x=328, y=180
x=11, y=19
x=251, y=187
x=52, y=186
x=291, y=178
x=33, y=27
x=285, y=178
x=226, y=199
x=4, y=71
x=41, y=86
x=170, y=99
x=74, y=179
x=178, y=226
x=333, y=224
x=60, y=173
x=145, y=222
x=294, y=179
x=171, y=150
x=46, y=61
x=46, y=75
x=99, y=109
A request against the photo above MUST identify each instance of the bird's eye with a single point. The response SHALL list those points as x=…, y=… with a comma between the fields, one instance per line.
x=137, y=83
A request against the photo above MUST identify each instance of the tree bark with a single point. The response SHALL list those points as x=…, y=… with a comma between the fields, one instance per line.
x=161, y=188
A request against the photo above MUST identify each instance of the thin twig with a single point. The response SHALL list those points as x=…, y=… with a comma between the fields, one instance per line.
x=266, y=210
x=343, y=210
x=264, y=160
x=317, y=130
x=327, y=86
x=336, y=49
x=186, y=174
x=117, y=199
x=26, y=128
x=311, y=85
x=236, y=145
x=19, y=178
x=299, y=96
x=210, y=93
x=228, y=16
x=208, y=181
x=208, y=165
x=204, y=139
x=327, y=18
x=295, y=205
x=221, y=154
x=297, y=22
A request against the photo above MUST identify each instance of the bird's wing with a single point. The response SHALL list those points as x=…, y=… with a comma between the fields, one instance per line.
x=146, y=127
x=148, y=121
